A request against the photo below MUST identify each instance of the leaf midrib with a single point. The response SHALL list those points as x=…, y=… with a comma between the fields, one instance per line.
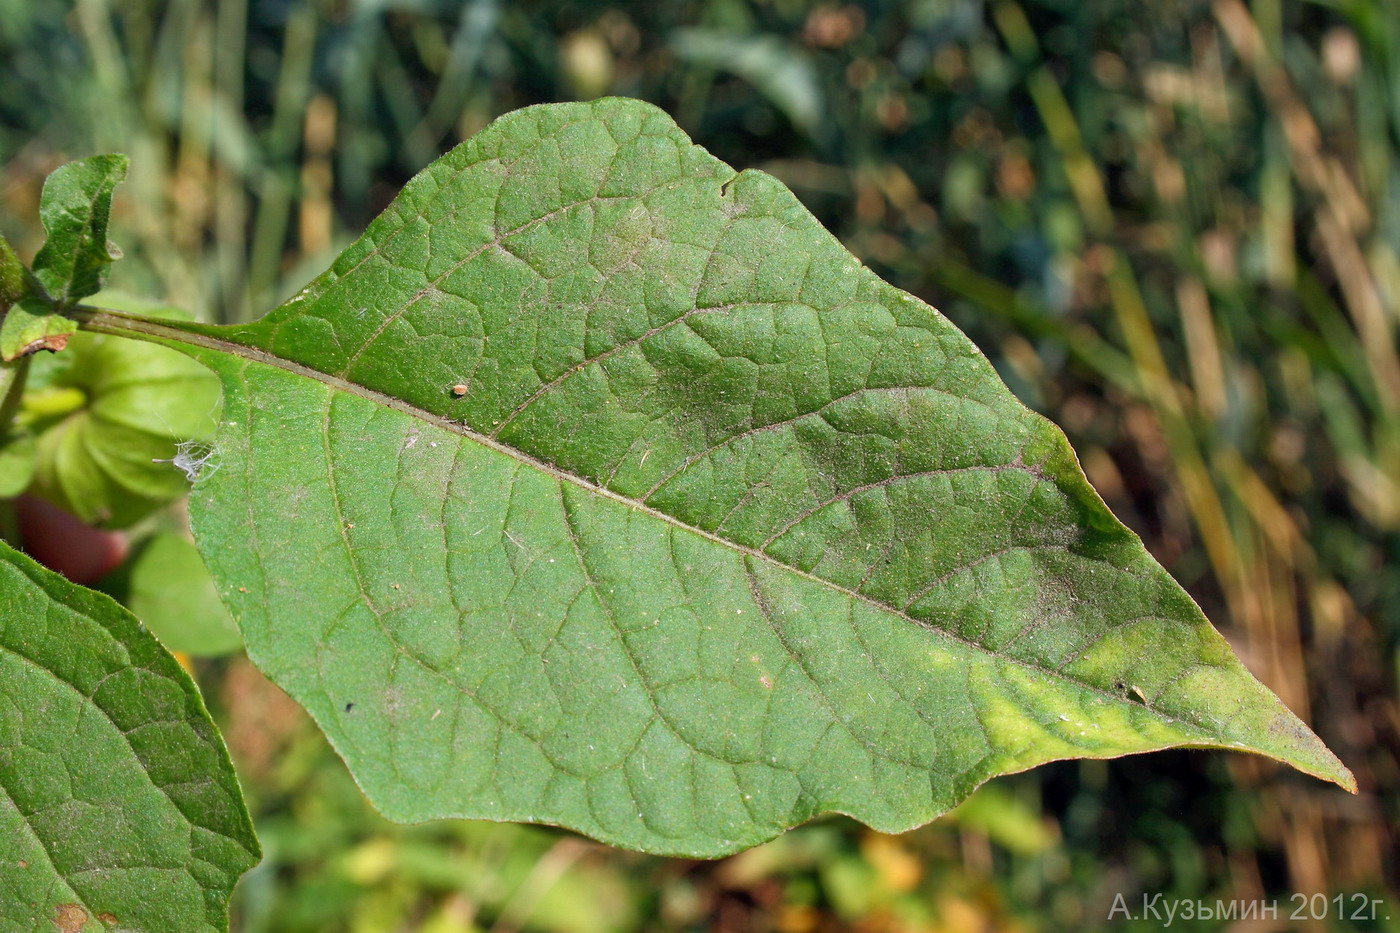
x=110, y=321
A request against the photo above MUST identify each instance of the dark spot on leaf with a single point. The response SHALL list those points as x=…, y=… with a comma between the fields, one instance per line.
x=108, y=919
x=349, y=707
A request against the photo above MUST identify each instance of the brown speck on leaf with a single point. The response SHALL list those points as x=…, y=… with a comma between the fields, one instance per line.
x=242, y=589
x=53, y=343
x=23, y=863
x=108, y=919
x=393, y=586
x=459, y=389
x=69, y=918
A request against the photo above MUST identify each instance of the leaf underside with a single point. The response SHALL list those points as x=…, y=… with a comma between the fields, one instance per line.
x=119, y=808
x=598, y=485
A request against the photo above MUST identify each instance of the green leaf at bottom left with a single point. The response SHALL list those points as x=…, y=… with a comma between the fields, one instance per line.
x=119, y=808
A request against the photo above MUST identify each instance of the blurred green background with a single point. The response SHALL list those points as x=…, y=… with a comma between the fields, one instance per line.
x=1173, y=226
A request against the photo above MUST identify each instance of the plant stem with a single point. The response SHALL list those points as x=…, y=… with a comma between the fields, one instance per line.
x=12, y=378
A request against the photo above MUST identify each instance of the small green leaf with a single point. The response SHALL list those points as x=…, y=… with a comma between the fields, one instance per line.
x=30, y=327
x=74, y=209
x=598, y=485
x=118, y=805
x=165, y=584
x=28, y=324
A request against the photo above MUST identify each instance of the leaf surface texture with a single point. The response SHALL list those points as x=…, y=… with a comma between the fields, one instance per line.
x=598, y=485
x=119, y=808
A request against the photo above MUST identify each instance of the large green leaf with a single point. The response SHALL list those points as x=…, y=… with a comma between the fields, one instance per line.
x=118, y=806
x=598, y=485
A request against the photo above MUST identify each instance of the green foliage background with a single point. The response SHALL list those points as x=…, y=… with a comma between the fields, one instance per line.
x=1174, y=227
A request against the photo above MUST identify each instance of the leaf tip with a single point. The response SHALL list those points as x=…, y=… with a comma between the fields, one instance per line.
x=1292, y=743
